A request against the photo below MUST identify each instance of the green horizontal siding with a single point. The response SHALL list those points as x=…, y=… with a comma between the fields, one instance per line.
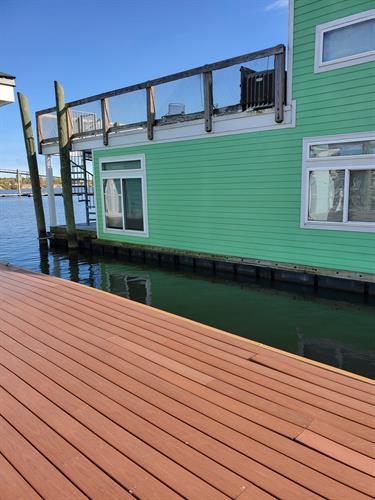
x=240, y=194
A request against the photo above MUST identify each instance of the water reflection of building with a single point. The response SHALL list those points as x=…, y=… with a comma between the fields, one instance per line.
x=335, y=353
x=132, y=287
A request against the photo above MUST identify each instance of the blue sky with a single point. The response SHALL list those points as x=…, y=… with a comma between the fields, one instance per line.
x=96, y=45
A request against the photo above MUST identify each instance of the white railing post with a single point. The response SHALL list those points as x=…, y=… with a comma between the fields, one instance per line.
x=51, y=192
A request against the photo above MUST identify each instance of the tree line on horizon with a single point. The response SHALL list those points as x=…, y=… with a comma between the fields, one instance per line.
x=10, y=183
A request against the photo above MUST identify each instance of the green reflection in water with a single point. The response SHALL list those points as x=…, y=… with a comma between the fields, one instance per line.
x=330, y=330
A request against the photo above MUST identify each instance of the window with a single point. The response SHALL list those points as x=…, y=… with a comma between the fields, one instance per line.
x=354, y=148
x=124, y=195
x=347, y=41
x=338, y=183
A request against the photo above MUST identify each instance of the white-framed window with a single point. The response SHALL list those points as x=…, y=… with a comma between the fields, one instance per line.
x=338, y=182
x=346, y=41
x=124, y=195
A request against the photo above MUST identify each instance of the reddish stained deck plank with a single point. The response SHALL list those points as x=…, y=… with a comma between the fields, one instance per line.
x=13, y=485
x=81, y=471
x=99, y=372
x=34, y=467
x=305, y=456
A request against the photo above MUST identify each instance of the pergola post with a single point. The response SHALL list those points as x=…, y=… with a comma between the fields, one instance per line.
x=65, y=166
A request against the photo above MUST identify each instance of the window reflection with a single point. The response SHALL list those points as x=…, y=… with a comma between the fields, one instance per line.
x=137, y=288
x=112, y=203
x=362, y=196
x=326, y=195
x=354, y=148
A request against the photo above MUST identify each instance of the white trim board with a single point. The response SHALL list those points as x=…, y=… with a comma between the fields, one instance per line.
x=239, y=123
x=321, y=29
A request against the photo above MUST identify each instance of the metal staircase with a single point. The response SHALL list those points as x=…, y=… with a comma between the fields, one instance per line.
x=83, y=182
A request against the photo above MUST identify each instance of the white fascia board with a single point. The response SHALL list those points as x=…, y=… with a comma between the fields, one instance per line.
x=240, y=123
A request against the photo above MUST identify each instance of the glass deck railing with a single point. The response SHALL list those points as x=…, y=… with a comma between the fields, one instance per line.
x=253, y=81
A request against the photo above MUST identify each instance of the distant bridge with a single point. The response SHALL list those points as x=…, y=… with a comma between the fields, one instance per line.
x=15, y=172
x=19, y=174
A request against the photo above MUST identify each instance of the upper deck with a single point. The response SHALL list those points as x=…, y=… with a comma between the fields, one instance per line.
x=251, y=87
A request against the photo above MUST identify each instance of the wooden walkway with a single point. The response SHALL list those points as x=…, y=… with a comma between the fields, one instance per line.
x=103, y=397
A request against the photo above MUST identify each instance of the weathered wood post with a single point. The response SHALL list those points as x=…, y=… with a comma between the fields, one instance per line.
x=66, y=176
x=279, y=85
x=33, y=168
x=150, y=112
x=208, y=100
x=105, y=119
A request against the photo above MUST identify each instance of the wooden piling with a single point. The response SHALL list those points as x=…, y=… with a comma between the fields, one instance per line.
x=33, y=167
x=65, y=167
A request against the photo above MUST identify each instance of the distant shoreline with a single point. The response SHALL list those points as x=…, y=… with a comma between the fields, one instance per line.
x=26, y=192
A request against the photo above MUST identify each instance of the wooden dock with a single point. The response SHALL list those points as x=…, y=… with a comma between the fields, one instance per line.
x=103, y=397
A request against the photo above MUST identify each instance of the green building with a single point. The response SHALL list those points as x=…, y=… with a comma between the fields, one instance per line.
x=248, y=166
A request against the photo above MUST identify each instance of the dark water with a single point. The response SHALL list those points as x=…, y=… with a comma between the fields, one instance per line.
x=331, y=327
